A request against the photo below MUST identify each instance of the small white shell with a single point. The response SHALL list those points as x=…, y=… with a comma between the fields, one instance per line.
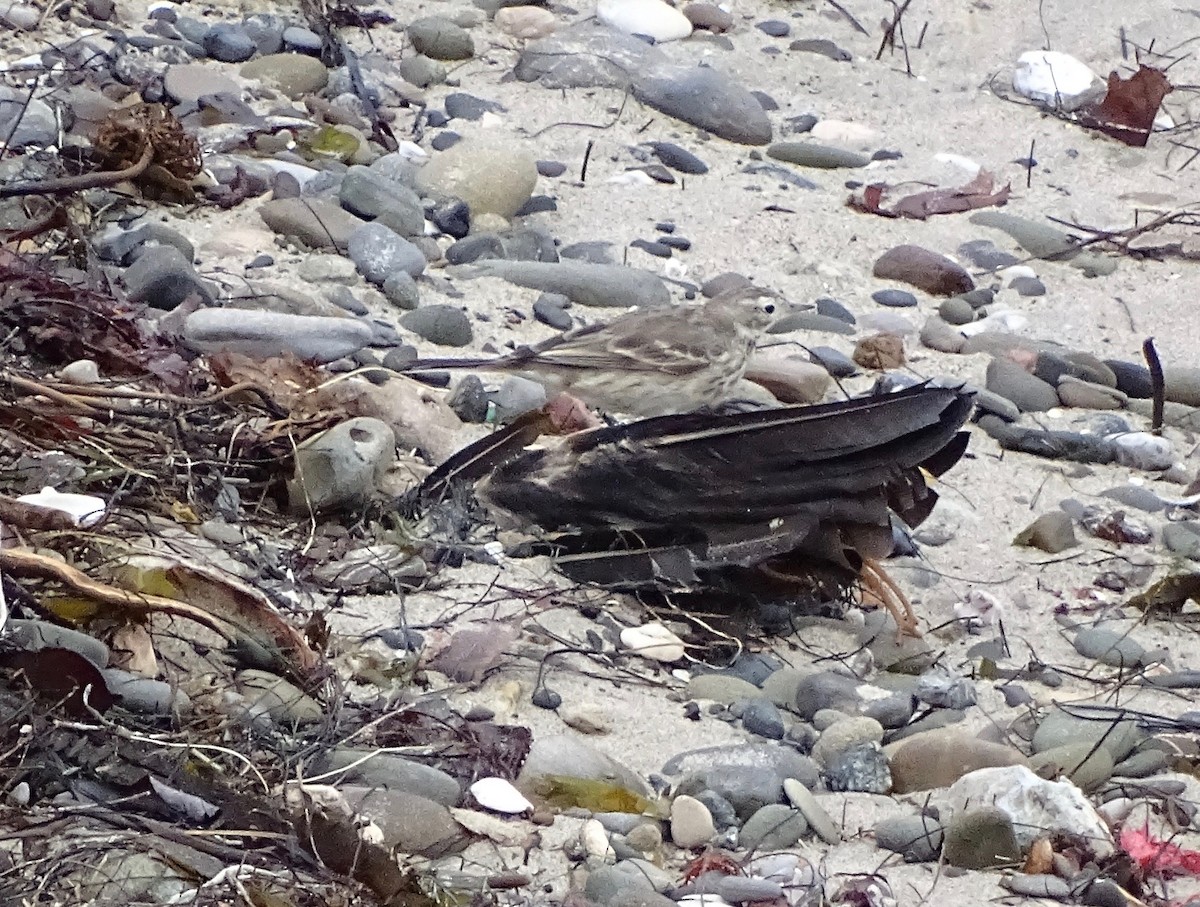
x=499, y=795
x=85, y=509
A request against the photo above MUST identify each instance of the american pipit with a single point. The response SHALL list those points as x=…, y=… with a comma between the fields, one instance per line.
x=649, y=363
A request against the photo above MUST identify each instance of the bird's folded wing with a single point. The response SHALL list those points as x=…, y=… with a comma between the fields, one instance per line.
x=832, y=461
x=670, y=342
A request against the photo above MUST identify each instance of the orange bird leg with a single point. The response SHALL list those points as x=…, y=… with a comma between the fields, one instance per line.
x=883, y=591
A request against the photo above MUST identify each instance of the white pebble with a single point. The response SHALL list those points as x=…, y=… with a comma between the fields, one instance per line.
x=411, y=151
x=526, y=23
x=499, y=795
x=594, y=841
x=1004, y=320
x=1008, y=275
x=958, y=160
x=652, y=18
x=845, y=134
x=85, y=509
x=653, y=641
x=1056, y=79
x=81, y=371
x=1143, y=450
x=632, y=178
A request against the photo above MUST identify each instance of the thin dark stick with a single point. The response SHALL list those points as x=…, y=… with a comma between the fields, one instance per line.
x=921, y=37
x=1157, y=384
x=587, y=154
x=1124, y=44
x=1029, y=165
x=841, y=9
x=889, y=33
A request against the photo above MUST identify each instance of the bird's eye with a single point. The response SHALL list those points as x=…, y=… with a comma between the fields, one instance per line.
x=769, y=309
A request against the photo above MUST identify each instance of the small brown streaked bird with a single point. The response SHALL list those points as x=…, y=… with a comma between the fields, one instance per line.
x=647, y=363
x=756, y=503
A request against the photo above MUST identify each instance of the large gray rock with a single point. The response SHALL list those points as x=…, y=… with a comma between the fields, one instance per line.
x=263, y=335
x=342, y=465
x=369, y=193
x=581, y=282
x=590, y=55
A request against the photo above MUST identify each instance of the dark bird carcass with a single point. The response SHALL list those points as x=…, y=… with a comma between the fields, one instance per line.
x=794, y=501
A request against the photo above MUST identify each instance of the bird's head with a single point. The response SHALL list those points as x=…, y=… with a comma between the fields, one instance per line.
x=754, y=308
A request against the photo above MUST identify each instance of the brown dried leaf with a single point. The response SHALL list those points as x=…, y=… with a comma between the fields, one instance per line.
x=261, y=628
x=980, y=192
x=1127, y=111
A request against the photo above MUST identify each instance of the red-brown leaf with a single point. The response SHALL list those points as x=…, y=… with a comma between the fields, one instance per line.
x=1128, y=110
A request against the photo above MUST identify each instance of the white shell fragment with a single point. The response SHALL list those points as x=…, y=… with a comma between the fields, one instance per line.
x=1056, y=80
x=652, y=18
x=85, y=509
x=653, y=641
x=500, y=796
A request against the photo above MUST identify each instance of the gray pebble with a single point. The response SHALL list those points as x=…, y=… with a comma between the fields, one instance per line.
x=895, y=299
x=956, y=310
x=1133, y=379
x=983, y=253
x=773, y=827
x=833, y=309
x=551, y=169
x=833, y=361
x=981, y=839
x=444, y=140
x=229, y=43
x=810, y=321
x=300, y=40
x=475, y=247
x=1029, y=393
x=440, y=38
x=469, y=400
x=942, y=688
x=462, y=106
x=445, y=325
x=761, y=716
x=863, y=768
x=551, y=309
x=917, y=838
x=1109, y=647
x=401, y=290
x=1027, y=286
x=517, y=395
x=811, y=154
x=400, y=357
x=678, y=158
x=1183, y=538
x=774, y=28
x=378, y=251
x=1037, y=886
x=657, y=249
x=266, y=31
x=1051, y=532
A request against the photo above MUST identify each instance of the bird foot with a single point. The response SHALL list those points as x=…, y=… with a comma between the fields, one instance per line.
x=880, y=590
